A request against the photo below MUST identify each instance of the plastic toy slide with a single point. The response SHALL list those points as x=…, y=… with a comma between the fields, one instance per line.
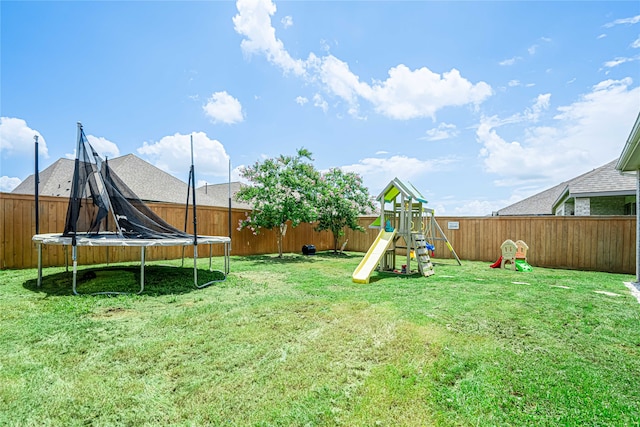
x=522, y=265
x=363, y=272
x=497, y=263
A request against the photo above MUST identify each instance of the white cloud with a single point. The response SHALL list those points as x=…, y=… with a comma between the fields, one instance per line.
x=254, y=22
x=301, y=100
x=222, y=107
x=601, y=36
x=173, y=154
x=475, y=208
x=405, y=94
x=510, y=61
x=287, y=22
x=581, y=136
x=8, y=183
x=338, y=78
x=620, y=60
x=17, y=139
x=103, y=146
x=636, y=43
x=408, y=94
x=378, y=172
x=319, y=102
x=623, y=21
x=513, y=83
x=532, y=49
x=443, y=131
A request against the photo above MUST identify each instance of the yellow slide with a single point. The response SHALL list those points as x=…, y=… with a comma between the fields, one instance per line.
x=373, y=256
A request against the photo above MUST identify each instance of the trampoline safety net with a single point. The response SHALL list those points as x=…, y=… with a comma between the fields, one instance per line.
x=101, y=202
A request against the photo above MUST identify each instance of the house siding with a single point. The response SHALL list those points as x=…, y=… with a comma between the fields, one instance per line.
x=608, y=205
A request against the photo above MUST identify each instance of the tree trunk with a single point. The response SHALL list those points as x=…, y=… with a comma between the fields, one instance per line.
x=282, y=230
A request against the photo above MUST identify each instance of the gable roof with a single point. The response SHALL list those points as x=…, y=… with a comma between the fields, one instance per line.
x=218, y=195
x=148, y=182
x=603, y=181
x=54, y=180
x=599, y=182
x=538, y=204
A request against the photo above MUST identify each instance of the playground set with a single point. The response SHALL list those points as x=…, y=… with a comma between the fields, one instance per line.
x=514, y=256
x=409, y=227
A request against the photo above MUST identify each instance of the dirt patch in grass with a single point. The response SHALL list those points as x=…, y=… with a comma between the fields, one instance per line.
x=113, y=313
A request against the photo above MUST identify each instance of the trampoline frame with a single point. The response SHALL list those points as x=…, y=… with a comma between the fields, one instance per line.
x=112, y=240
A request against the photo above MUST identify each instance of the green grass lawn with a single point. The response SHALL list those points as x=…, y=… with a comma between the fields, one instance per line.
x=294, y=342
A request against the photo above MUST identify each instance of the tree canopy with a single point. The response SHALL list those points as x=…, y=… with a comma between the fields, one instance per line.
x=289, y=188
x=341, y=199
x=282, y=190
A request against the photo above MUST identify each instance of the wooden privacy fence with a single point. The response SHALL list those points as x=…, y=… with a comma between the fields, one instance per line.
x=597, y=243
x=18, y=227
x=603, y=243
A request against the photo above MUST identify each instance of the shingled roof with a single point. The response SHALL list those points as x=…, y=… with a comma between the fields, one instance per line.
x=538, y=204
x=148, y=182
x=602, y=181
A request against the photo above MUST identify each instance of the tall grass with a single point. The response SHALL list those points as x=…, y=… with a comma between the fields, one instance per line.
x=294, y=342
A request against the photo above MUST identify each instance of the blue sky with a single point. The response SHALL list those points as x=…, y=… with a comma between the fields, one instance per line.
x=478, y=104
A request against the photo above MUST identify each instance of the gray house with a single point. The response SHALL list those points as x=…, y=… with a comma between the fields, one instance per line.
x=629, y=164
x=148, y=182
x=602, y=191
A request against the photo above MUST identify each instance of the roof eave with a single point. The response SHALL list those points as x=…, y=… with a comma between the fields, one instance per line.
x=629, y=160
x=562, y=197
x=604, y=193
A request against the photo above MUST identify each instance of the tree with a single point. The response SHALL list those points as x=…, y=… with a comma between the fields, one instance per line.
x=282, y=190
x=341, y=200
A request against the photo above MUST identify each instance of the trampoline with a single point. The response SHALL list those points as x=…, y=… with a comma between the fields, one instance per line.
x=112, y=240
x=104, y=211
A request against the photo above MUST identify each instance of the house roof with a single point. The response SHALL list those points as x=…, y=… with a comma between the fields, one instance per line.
x=538, y=204
x=630, y=158
x=148, y=182
x=218, y=195
x=599, y=182
x=54, y=180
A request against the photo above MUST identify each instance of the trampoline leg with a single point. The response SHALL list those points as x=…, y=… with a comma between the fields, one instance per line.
x=195, y=265
x=195, y=268
x=141, y=269
x=74, y=257
x=39, y=264
x=226, y=258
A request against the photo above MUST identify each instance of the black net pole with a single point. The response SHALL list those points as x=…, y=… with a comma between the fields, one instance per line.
x=37, y=190
x=229, y=198
x=193, y=194
x=193, y=188
x=186, y=207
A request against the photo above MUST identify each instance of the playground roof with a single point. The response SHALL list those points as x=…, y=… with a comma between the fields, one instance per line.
x=396, y=187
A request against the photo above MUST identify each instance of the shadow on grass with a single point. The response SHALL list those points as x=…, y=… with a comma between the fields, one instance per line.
x=389, y=275
x=158, y=280
x=291, y=258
